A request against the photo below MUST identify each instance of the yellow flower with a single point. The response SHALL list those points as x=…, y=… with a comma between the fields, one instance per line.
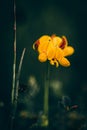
x=55, y=49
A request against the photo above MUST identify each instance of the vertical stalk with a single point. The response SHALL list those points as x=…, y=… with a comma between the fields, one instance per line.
x=17, y=79
x=46, y=92
x=14, y=62
x=14, y=69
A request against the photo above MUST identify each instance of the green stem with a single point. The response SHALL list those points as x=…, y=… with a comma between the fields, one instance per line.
x=46, y=92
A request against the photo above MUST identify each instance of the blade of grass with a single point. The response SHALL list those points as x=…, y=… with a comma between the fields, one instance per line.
x=18, y=77
x=14, y=105
x=14, y=61
x=14, y=70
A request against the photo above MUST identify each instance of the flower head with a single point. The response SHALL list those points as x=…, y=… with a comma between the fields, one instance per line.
x=53, y=48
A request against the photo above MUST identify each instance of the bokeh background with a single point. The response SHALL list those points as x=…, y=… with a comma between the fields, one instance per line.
x=34, y=19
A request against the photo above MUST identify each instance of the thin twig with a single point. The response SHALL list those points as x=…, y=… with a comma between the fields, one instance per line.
x=14, y=70
x=14, y=62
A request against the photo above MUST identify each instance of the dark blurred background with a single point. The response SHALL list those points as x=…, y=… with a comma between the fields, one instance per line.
x=34, y=19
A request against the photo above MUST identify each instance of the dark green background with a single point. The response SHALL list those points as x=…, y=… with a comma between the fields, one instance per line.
x=34, y=19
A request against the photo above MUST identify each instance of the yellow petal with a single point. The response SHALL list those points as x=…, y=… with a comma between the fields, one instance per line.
x=42, y=57
x=68, y=51
x=54, y=62
x=44, y=42
x=64, y=62
x=45, y=38
x=59, y=53
x=51, y=62
x=51, y=52
x=42, y=47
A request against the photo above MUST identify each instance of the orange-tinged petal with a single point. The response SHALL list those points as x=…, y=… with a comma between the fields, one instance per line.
x=64, y=62
x=36, y=44
x=68, y=51
x=56, y=41
x=53, y=35
x=42, y=57
x=64, y=42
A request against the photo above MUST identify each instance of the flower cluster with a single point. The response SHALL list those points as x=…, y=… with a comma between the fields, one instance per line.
x=53, y=48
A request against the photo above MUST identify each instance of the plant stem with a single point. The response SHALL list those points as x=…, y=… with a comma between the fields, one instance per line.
x=17, y=79
x=14, y=62
x=14, y=69
x=46, y=92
